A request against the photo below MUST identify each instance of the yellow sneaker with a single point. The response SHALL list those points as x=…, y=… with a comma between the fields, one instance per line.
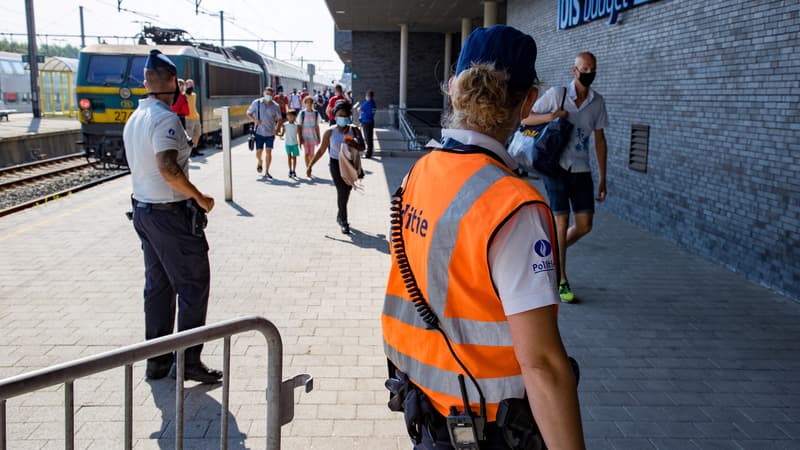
x=565, y=292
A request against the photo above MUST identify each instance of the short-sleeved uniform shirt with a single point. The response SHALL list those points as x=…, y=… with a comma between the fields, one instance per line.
x=154, y=128
x=589, y=117
x=268, y=114
x=367, y=111
x=521, y=254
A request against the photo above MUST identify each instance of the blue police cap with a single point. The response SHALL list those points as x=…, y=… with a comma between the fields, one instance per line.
x=156, y=60
x=508, y=48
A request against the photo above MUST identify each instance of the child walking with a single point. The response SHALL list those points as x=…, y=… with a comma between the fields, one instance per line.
x=309, y=121
x=292, y=135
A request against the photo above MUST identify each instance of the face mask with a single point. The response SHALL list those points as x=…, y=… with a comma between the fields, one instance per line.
x=342, y=121
x=268, y=98
x=190, y=91
x=586, y=79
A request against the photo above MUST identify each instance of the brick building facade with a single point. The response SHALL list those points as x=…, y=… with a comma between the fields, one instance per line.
x=717, y=83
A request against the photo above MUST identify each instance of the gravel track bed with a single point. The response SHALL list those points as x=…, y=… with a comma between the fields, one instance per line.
x=42, y=188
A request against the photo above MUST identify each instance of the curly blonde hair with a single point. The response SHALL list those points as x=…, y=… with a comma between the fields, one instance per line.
x=481, y=99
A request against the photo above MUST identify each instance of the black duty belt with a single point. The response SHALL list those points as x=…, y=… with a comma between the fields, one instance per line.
x=160, y=206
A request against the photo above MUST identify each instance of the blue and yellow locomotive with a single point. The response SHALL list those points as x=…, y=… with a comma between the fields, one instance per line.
x=110, y=84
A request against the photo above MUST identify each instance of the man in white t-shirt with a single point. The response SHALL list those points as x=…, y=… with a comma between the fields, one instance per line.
x=266, y=115
x=169, y=217
x=585, y=109
x=295, y=100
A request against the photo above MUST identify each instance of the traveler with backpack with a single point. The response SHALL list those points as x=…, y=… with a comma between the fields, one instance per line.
x=309, y=124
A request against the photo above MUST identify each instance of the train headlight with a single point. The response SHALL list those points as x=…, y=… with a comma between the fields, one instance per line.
x=86, y=114
x=84, y=103
x=124, y=92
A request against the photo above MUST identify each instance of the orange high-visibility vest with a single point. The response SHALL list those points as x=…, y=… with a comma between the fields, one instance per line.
x=453, y=205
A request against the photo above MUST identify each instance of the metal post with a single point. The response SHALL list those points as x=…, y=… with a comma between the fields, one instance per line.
x=274, y=377
x=403, y=66
x=83, y=35
x=181, y=363
x=61, y=91
x=70, y=94
x=221, y=29
x=128, y=407
x=52, y=92
x=489, y=13
x=225, y=112
x=226, y=388
x=2, y=425
x=33, y=55
x=466, y=29
x=69, y=416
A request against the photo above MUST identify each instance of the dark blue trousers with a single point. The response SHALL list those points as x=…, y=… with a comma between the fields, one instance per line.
x=342, y=191
x=175, y=265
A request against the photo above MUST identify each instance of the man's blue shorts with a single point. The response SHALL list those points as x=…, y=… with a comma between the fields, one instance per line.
x=575, y=188
x=264, y=141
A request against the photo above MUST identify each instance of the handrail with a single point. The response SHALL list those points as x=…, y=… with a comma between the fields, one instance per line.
x=406, y=129
x=279, y=395
x=415, y=138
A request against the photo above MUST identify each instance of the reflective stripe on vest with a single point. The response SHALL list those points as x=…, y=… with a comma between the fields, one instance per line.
x=442, y=244
x=446, y=382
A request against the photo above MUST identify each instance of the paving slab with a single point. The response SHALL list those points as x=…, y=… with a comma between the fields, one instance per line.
x=675, y=352
x=24, y=124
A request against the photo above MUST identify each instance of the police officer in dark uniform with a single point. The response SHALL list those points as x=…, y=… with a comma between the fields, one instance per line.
x=169, y=217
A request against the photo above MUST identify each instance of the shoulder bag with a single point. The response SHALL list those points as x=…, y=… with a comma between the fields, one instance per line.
x=251, y=140
x=539, y=147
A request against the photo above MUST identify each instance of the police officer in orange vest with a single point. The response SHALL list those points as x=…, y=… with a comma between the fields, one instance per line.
x=469, y=320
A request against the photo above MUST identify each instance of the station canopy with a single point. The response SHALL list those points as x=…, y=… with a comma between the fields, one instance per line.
x=443, y=16
x=59, y=64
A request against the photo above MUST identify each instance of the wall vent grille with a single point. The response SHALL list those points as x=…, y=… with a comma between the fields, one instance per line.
x=640, y=145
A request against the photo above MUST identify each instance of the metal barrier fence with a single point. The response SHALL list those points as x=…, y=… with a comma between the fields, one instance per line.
x=280, y=394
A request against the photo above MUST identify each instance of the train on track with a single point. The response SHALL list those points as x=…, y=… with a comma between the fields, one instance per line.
x=110, y=84
x=15, y=83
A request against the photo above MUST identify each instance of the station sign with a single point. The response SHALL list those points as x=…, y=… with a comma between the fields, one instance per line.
x=27, y=58
x=572, y=13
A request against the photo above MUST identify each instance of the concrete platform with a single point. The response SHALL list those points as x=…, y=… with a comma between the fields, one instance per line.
x=676, y=353
x=25, y=139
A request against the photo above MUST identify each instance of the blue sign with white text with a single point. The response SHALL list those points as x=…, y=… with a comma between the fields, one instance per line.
x=572, y=13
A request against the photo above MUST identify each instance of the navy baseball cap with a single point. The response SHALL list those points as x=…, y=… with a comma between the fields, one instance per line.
x=156, y=60
x=506, y=47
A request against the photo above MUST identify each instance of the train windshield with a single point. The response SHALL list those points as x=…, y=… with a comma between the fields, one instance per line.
x=137, y=69
x=107, y=69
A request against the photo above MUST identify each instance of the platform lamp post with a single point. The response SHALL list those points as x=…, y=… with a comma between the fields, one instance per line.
x=33, y=59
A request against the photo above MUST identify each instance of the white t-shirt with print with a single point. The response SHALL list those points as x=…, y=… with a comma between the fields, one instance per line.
x=521, y=255
x=151, y=129
x=294, y=101
x=589, y=117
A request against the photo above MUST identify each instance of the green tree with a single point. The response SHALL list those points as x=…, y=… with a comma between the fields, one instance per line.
x=68, y=51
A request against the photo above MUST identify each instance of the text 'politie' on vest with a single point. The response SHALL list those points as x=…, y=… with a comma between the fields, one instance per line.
x=414, y=221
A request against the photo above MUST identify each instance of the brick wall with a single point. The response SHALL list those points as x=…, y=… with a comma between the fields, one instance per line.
x=718, y=84
x=376, y=61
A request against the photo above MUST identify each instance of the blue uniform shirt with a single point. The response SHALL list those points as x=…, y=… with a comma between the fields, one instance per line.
x=367, y=111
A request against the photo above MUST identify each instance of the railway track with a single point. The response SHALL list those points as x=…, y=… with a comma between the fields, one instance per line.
x=32, y=172
x=27, y=185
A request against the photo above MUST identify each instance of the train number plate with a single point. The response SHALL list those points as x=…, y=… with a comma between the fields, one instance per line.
x=120, y=115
